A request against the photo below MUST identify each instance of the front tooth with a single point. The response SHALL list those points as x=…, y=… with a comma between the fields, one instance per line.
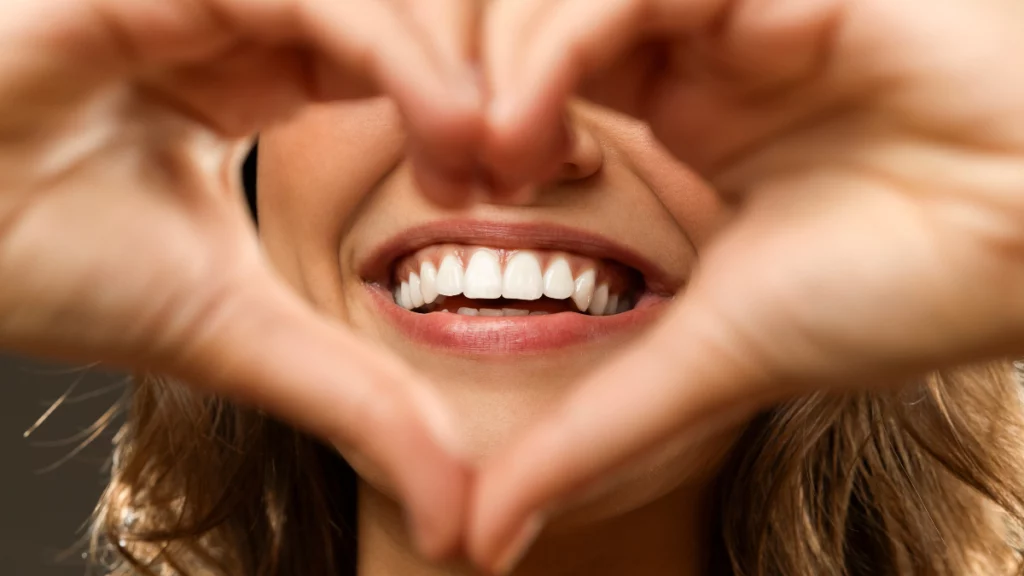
x=613, y=305
x=558, y=282
x=405, y=299
x=515, y=312
x=415, y=293
x=483, y=276
x=600, y=301
x=523, y=279
x=538, y=313
x=492, y=312
x=468, y=312
x=428, y=282
x=450, y=278
x=583, y=292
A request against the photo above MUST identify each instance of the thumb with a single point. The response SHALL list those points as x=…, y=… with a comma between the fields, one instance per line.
x=685, y=377
x=261, y=345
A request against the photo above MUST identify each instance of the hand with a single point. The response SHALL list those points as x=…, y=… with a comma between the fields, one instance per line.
x=875, y=151
x=123, y=237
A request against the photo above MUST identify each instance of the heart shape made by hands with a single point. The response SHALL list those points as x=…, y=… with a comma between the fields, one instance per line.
x=871, y=174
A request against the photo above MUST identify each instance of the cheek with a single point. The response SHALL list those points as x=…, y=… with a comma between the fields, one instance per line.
x=314, y=171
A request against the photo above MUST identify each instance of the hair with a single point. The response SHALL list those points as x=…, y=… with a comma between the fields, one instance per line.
x=927, y=480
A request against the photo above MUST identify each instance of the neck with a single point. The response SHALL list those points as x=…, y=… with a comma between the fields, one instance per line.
x=664, y=537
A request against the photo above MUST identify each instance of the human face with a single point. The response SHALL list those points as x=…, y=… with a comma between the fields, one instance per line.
x=342, y=219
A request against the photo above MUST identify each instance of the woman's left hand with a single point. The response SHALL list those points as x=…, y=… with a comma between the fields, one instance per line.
x=875, y=152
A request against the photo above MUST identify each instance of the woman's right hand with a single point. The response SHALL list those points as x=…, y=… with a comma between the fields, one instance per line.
x=123, y=237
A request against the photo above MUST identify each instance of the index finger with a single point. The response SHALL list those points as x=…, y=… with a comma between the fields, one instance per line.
x=537, y=53
x=366, y=41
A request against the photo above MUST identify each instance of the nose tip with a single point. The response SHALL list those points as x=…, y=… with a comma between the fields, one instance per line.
x=585, y=156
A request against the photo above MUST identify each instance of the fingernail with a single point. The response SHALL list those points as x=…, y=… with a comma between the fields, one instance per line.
x=520, y=545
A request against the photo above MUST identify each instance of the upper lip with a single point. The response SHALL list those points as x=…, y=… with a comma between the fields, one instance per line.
x=521, y=236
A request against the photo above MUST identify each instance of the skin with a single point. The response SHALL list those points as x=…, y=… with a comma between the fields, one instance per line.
x=618, y=182
x=872, y=175
x=871, y=172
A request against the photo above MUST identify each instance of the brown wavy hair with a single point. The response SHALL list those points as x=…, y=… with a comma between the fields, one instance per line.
x=928, y=480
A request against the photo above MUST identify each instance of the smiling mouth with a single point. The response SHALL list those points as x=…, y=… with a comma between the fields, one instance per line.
x=486, y=288
x=492, y=282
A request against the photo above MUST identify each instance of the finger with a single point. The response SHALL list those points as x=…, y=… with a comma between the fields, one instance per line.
x=447, y=174
x=508, y=28
x=532, y=73
x=650, y=395
x=363, y=39
x=450, y=26
x=260, y=345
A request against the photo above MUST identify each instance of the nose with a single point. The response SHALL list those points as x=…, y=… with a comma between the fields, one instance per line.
x=583, y=158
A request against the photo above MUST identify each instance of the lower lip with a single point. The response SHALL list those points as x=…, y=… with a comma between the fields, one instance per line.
x=480, y=335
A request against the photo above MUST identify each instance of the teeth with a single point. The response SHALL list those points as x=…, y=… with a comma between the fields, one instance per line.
x=483, y=276
x=523, y=280
x=584, y=290
x=613, y=305
x=600, y=301
x=450, y=278
x=415, y=293
x=428, y=282
x=496, y=313
x=538, y=313
x=558, y=282
x=404, y=300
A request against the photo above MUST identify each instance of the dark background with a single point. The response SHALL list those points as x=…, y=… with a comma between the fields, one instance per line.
x=46, y=493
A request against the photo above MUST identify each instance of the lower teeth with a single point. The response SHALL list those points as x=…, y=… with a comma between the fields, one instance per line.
x=498, y=313
x=625, y=305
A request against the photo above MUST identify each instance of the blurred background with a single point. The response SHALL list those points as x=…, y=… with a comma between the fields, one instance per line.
x=51, y=480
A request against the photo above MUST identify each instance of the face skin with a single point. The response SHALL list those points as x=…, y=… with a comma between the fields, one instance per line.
x=621, y=206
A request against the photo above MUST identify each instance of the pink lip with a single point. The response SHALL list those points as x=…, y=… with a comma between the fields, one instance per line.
x=495, y=336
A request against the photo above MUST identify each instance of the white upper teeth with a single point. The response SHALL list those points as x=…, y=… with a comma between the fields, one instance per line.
x=483, y=276
x=558, y=282
x=428, y=282
x=584, y=291
x=600, y=301
x=522, y=279
x=415, y=290
x=450, y=277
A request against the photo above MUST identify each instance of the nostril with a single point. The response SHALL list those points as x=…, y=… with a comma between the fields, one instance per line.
x=585, y=157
